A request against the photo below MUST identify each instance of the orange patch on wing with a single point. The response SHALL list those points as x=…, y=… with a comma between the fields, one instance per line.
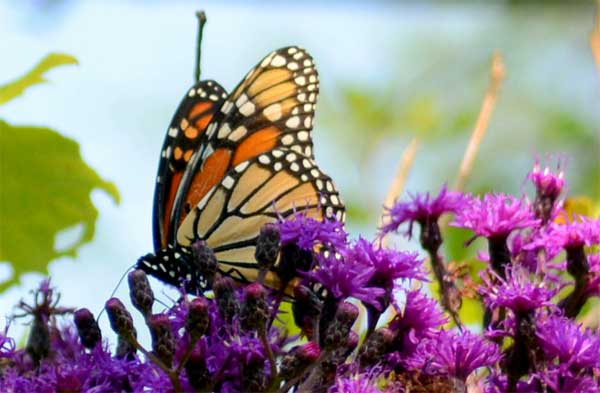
x=177, y=153
x=188, y=154
x=175, y=180
x=191, y=132
x=261, y=141
x=214, y=169
x=203, y=122
x=200, y=108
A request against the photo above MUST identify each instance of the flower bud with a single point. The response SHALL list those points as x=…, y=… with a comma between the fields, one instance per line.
x=120, y=319
x=198, y=318
x=293, y=259
x=255, y=310
x=38, y=344
x=205, y=261
x=378, y=344
x=336, y=334
x=306, y=309
x=254, y=378
x=163, y=342
x=197, y=371
x=298, y=359
x=125, y=349
x=87, y=327
x=140, y=292
x=267, y=246
x=224, y=289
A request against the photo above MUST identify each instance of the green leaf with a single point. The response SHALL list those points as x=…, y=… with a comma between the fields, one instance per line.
x=14, y=89
x=45, y=188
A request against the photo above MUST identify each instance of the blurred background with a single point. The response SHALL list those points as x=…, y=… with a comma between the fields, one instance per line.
x=389, y=71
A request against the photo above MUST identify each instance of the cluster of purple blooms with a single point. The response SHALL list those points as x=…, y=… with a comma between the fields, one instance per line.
x=542, y=268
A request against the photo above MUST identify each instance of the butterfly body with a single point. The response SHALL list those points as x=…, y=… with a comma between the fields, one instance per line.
x=232, y=163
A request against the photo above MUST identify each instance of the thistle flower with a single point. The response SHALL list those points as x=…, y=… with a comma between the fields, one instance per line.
x=516, y=292
x=562, y=339
x=547, y=183
x=576, y=233
x=387, y=265
x=495, y=215
x=560, y=379
x=422, y=208
x=455, y=355
x=346, y=279
x=307, y=232
x=355, y=384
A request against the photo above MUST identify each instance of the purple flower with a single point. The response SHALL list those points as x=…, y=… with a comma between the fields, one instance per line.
x=561, y=338
x=307, y=232
x=495, y=215
x=419, y=319
x=581, y=231
x=345, y=279
x=560, y=379
x=388, y=265
x=354, y=384
x=547, y=183
x=517, y=292
x=454, y=354
x=422, y=208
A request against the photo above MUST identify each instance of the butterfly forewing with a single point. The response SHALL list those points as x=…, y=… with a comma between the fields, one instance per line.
x=272, y=107
x=185, y=136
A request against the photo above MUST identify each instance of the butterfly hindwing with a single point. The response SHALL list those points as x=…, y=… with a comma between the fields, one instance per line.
x=185, y=136
x=271, y=186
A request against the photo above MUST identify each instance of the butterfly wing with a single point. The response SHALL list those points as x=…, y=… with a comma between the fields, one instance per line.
x=185, y=136
x=275, y=184
x=272, y=107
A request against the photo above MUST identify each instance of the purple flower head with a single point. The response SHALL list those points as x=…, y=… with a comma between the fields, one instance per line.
x=517, y=292
x=388, y=265
x=345, y=279
x=560, y=379
x=307, y=232
x=547, y=183
x=495, y=215
x=454, y=354
x=579, y=232
x=354, y=384
x=419, y=319
x=561, y=338
x=422, y=208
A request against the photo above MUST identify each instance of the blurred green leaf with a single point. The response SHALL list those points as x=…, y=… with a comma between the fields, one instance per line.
x=14, y=89
x=45, y=188
x=422, y=115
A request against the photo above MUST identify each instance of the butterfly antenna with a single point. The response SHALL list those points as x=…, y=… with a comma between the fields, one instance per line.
x=130, y=268
x=201, y=22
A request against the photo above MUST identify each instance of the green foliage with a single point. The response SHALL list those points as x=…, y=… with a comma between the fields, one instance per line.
x=44, y=186
x=14, y=89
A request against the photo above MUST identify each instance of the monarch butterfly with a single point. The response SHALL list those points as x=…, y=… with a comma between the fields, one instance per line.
x=232, y=163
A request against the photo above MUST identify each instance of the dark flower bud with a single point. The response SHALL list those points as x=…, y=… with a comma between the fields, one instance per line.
x=298, y=359
x=267, y=246
x=163, y=342
x=224, y=288
x=125, y=348
x=336, y=334
x=197, y=371
x=38, y=344
x=87, y=327
x=254, y=378
x=198, y=319
x=306, y=309
x=120, y=319
x=352, y=343
x=255, y=310
x=140, y=292
x=293, y=259
x=379, y=343
x=205, y=261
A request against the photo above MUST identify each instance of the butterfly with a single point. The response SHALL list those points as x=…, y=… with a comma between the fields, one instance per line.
x=231, y=163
